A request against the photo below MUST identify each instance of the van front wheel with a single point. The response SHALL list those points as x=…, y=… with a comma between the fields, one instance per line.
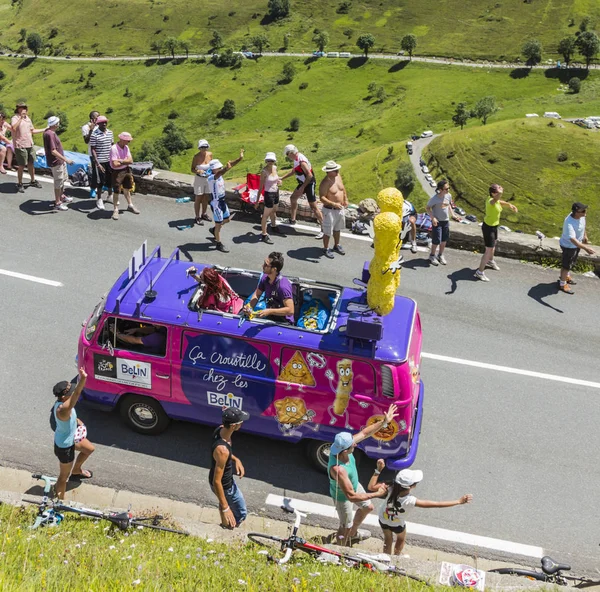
x=144, y=415
x=318, y=454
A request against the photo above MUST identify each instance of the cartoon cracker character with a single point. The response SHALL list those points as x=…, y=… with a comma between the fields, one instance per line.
x=384, y=267
x=387, y=434
x=292, y=413
x=297, y=371
x=343, y=392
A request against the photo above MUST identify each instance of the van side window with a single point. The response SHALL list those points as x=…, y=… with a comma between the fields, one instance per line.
x=146, y=338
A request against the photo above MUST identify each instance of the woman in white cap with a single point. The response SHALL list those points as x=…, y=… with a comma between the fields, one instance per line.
x=392, y=513
x=200, y=164
x=122, y=179
x=270, y=182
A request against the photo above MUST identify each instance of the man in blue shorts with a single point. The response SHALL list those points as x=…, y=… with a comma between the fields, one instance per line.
x=218, y=204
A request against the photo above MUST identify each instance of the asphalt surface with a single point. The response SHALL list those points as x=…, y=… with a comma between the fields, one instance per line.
x=525, y=447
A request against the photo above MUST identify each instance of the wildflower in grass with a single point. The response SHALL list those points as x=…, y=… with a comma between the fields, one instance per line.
x=122, y=541
x=209, y=540
x=188, y=556
x=204, y=558
x=139, y=568
x=170, y=549
x=136, y=582
x=78, y=546
x=242, y=582
x=211, y=551
x=296, y=581
x=221, y=555
x=112, y=547
x=65, y=562
x=314, y=575
x=217, y=563
x=132, y=546
x=193, y=567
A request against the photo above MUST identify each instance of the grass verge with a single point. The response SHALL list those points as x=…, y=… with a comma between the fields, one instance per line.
x=82, y=554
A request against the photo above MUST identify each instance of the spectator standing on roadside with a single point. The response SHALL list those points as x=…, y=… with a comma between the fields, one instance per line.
x=101, y=142
x=439, y=207
x=489, y=228
x=409, y=216
x=4, y=142
x=232, y=506
x=22, y=138
x=573, y=239
x=334, y=199
x=86, y=132
x=270, y=182
x=218, y=204
x=392, y=513
x=306, y=185
x=122, y=179
x=344, y=486
x=70, y=434
x=57, y=161
x=200, y=164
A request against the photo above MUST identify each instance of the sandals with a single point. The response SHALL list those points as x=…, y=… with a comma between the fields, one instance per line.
x=81, y=476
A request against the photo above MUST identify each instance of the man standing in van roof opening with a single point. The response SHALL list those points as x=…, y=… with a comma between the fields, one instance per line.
x=278, y=292
x=232, y=506
x=344, y=486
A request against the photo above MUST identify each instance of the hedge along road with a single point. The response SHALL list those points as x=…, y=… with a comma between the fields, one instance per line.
x=356, y=56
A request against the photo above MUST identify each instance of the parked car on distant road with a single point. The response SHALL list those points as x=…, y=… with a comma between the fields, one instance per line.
x=414, y=138
x=427, y=134
x=333, y=54
x=552, y=115
x=345, y=54
x=424, y=169
x=318, y=54
x=531, y=115
x=432, y=183
x=248, y=54
x=429, y=177
x=410, y=150
x=421, y=162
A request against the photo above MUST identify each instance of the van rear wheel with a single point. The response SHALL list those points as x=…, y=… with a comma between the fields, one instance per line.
x=318, y=454
x=144, y=415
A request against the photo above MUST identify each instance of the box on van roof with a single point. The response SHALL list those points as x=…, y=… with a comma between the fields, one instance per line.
x=296, y=383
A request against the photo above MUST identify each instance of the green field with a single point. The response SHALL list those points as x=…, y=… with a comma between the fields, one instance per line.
x=459, y=28
x=334, y=109
x=521, y=155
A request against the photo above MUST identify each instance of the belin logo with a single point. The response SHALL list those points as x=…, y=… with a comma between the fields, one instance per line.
x=134, y=371
x=224, y=400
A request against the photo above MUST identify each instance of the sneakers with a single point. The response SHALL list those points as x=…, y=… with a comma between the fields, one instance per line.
x=36, y=184
x=413, y=247
x=319, y=235
x=265, y=238
x=492, y=265
x=339, y=249
x=61, y=207
x=131, y=208
x=66, y=199
x=329, y=253
x=566, y=289
x=115, y=215
x=92, y=193
x=100, y=204
x=480, y=275
x=433, y=260
x=291, y=222
x=442, y=259
x=221, y=247
x=20, y=188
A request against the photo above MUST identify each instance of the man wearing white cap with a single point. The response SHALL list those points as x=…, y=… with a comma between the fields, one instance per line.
x=122, y=179
x=200, y=164
x=218, y=204
x=334, y=199
x=57, y=161
x=306, y=184
x=398, y=503
x=344, y=487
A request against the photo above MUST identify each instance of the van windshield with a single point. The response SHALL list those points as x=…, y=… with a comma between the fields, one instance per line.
x=92, y=324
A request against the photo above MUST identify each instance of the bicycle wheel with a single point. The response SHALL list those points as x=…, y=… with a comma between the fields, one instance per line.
x=526, y=573
x=274, y=543
x=157, y=527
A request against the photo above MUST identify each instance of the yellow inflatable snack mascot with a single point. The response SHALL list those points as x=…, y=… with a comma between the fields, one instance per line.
x=384, y=268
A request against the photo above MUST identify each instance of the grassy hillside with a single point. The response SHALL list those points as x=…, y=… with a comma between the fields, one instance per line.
x=469, y=28
x=521, y=155
x=338, y=119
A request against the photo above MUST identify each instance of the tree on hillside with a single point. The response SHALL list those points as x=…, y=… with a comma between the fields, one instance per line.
x=567, y=47
x=174, y=139
x=585, y=24
x=588, y=45
x=227, y=110
x=64, y=120
x=185, y=46
x=35, y=43
x=156, y=46
x=365, y=42
x=532, y=51
x=409, y=44
x=259, y=42
x=171, y=45
x=484, y=108
x=575, y=85
x=462, y=114
x=288, y=72
x=217, y=41
x=321, y=40
x=405, y=178
x=278, y=9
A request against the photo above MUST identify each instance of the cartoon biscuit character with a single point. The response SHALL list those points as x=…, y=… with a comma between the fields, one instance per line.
x=291, y=413
x=384, y=434
x=344, y=386
x=297, y=371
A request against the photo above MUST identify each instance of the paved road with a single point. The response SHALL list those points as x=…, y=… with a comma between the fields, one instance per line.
x=418, y=147
x=525, y=447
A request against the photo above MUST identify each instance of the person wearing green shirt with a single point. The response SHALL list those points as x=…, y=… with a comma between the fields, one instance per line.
x=491, y=222
x=344, y=487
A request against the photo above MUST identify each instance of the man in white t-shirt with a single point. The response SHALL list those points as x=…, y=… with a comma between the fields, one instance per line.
x=86, y=132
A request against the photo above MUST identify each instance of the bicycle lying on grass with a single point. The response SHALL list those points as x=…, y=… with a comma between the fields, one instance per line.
x=294, y=542
x=50, y=513
x=551, y=573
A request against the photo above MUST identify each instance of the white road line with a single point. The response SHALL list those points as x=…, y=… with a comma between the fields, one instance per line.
x=315, y=230
x=510, y=370
x=44, y=179
x=473, y=540
x=30, y=278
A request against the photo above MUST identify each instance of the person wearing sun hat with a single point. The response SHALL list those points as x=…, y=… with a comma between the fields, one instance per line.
x=200, y=164
x=122, y=179
x=57, y=161
x=101, y=141
x=398, y=503
x=344, y=486
x=334, y=199
x=22, y=131
x=269, y=183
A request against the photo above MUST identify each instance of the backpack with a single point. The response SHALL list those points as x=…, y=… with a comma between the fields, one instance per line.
x=80, y=179
x=359, y=227
x=52, y=419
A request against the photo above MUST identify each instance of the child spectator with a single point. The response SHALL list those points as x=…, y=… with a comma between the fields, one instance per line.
x=399, y=502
